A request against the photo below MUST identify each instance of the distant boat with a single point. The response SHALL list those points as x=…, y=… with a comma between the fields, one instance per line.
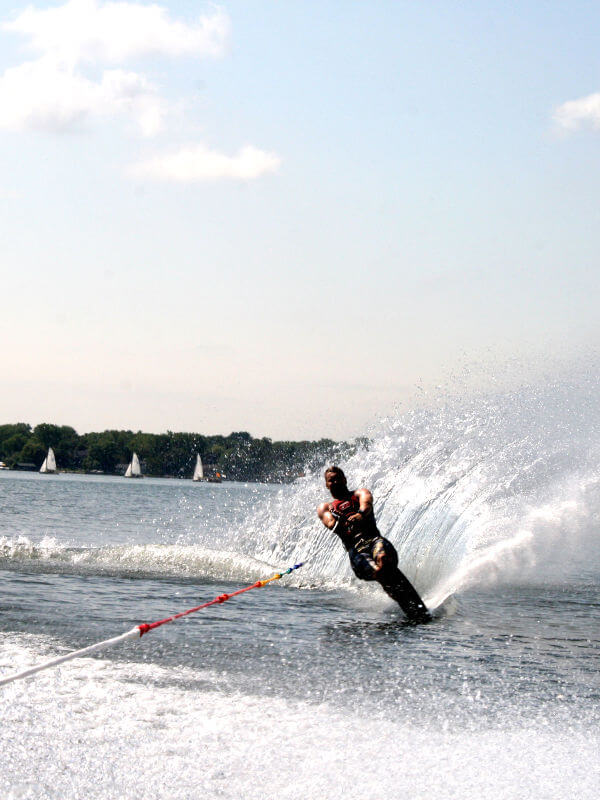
x=134, y=469
x=49, y=465
x=199, y=469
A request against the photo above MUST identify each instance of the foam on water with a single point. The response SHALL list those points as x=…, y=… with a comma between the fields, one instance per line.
x=189, y=561
x=470, y=491
x=99, y=729
x=321, y=694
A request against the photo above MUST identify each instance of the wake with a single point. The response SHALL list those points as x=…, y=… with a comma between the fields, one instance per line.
x=140, y=560
x=470, y=493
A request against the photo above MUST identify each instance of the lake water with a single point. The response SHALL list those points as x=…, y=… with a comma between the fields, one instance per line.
x=313, y=687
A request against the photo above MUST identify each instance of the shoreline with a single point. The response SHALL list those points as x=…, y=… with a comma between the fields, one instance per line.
x=82, y=473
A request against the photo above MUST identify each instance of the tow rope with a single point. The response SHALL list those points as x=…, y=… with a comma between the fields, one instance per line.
x=140, y=630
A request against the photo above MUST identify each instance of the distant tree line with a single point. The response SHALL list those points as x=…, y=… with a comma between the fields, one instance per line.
x=238, y=456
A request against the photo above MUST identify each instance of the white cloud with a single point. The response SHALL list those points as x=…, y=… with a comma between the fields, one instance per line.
x=77, y=76
x=44, y=96
x=53, y=93
x=576, y=113
x=196, y=163
x=113, y=32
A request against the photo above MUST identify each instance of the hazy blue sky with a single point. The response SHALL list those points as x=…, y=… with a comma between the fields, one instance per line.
x=282, y=217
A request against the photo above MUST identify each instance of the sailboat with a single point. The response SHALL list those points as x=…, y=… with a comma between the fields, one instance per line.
x=49, y=465
x=199, y=469
x=134, y=470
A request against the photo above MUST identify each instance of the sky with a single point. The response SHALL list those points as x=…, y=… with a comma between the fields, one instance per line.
x=289, y=217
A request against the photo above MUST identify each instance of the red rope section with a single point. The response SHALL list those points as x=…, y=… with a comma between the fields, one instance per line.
x=145, y=627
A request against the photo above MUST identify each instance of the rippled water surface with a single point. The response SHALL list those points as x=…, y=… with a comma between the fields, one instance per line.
x=314, y=686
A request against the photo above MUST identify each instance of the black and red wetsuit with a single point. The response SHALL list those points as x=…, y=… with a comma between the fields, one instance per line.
x=362, y=539
x=365, y=544
x=359, y=535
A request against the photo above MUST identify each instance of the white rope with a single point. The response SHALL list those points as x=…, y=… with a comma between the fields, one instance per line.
x=134, y=632
x=139, y=630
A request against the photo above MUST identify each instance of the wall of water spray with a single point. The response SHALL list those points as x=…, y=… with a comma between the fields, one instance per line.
x=469, y=491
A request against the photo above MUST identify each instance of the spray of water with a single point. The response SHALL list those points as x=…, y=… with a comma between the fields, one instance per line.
x=469, y=491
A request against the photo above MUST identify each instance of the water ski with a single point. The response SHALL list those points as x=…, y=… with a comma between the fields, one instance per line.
x=400, y=589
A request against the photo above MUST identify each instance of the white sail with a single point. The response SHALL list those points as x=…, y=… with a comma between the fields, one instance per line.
x=49, y=463
x=199, y=470
x=135, y=466
x=134, y=470
x=50, y=460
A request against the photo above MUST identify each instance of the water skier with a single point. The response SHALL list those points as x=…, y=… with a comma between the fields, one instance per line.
x=372, y=557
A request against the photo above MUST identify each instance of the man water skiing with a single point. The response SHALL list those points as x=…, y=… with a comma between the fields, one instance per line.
x=372, y=557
